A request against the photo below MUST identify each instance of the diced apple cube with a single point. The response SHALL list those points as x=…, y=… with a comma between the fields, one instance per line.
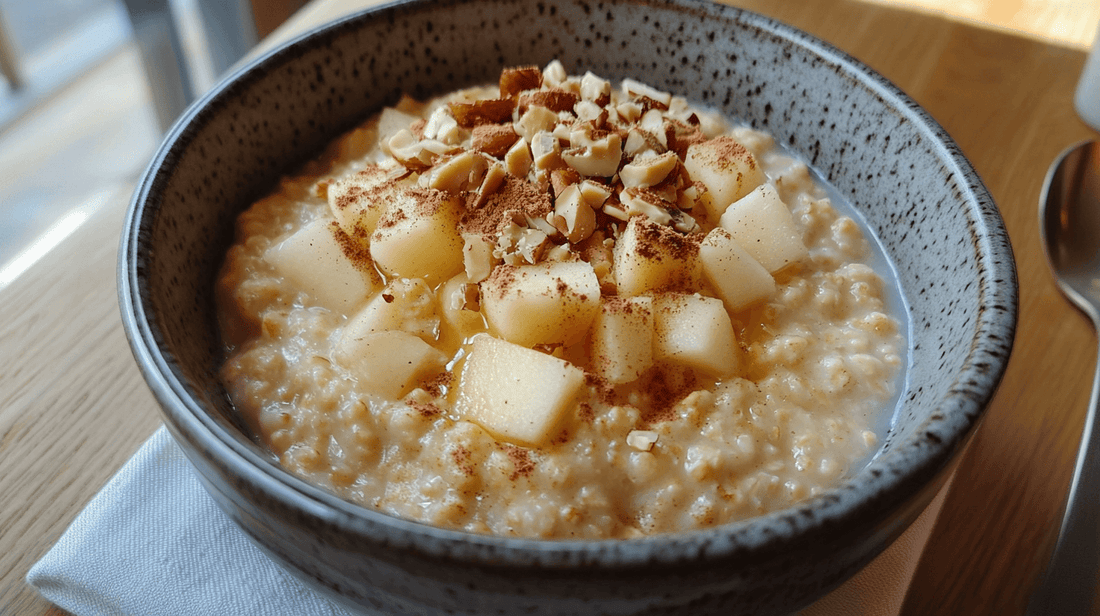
x=694, y=331
x=358, y=200
x=622, y=338
x=418, y=236
x=405, y=304
x=316, y=259
x=549, y=303
x=651, y=257
x=389, y=363
x=762, y=224
x=516, y=394
x=737, y=278
x=726, y=168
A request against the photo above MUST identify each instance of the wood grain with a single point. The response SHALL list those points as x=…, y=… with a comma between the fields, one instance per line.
x=74, y=407
x=998, y=527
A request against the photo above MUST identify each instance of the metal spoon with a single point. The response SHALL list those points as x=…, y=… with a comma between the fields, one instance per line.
x=1069, y=221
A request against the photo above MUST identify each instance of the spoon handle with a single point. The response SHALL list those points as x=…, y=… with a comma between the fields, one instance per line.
x=1071, y=580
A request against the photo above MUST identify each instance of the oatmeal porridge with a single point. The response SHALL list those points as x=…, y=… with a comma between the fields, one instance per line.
x=559, y=308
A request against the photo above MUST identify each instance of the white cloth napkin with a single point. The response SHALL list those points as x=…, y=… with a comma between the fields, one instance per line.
x=152, y=542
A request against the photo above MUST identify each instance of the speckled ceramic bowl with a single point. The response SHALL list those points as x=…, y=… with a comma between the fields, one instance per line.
x=880, y=150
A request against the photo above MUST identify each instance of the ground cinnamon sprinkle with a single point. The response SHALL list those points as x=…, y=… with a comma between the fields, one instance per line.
x=477, y=113
x=355, y=251
x=502, y=277
x=349, y=198
x=516, y=80
x=521, y=460
x=514, y=197
x=438, y=385
x=427, y=201
x=652, y=235
x=391, y=218
x=599, y=386
x=681, y=135
x=564, y=436
x=493, y=139
x=665, y=386
x=555, y=100
x=463, y=460
x=623, y=305
x=356, y=192
x=426, y=410
x=728, y=151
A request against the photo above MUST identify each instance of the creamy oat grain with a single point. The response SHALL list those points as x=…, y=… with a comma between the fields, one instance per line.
x=661, y=441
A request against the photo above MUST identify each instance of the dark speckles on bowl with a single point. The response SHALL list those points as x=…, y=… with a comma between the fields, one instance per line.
x=936, y=222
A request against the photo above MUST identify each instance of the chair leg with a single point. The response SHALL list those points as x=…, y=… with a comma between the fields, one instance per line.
x=162, y=55
x=9, y=63
x=230, y=31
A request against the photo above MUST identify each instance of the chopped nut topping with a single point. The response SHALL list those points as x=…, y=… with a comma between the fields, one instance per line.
x=518, y=159
x=516, y=80
x=534, y=121
x=554, y=100
x=457, y=173
x=574, y=217
x=443, y=127
x=649, y=95
x=595, y=89
x=494, y=177
x=587, y=111
x=554, y=162
x=641, y=202
x=599, y=157
x=554, y=74
x=649, y=170
x=546, y=151
x=562, y=178
x=493, y=139
x=595, y=194
x=491, y=111
x=414, y=153
x=642, y=440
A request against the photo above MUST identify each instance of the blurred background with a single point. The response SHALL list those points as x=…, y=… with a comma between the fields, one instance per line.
x=79, y=116
x=89, y=86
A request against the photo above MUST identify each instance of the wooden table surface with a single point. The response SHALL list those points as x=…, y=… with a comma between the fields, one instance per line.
x=73, y=407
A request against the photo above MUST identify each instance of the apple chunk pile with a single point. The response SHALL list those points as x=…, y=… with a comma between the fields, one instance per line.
x=538, y=234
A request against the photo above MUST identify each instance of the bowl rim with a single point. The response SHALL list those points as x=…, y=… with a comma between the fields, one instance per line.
x=881, y=485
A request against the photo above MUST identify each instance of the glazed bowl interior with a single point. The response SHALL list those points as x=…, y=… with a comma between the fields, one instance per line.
x=877, y=148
